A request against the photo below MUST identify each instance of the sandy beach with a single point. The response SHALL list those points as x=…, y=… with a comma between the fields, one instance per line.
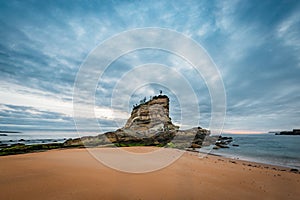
x=76, y=174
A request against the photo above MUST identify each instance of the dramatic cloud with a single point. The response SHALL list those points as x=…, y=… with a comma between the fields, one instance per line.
x=255, y=45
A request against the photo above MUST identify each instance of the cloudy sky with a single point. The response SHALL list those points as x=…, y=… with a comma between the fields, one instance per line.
x=254, y=44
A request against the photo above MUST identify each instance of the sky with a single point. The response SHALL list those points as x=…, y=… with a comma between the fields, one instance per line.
x=254, y=44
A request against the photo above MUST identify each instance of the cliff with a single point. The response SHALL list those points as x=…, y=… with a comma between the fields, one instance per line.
x=294, y=132
x=148, y=125
x=151, y=116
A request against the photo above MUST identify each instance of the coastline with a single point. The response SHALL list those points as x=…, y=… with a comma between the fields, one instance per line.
x=260, y=148
x=248, y=160
x=75, y=174
x=33, y=148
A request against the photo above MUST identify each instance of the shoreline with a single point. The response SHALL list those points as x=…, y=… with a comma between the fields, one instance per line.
x=59, y=146
x=193, y=152
x=250, y=163
x=272, y=156
x=257, y=162
x=76, y=174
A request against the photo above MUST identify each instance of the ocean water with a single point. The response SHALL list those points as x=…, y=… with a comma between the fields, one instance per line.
x=280, y=150
x=43, y=136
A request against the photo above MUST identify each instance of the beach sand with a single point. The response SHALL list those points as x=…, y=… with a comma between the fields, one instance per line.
x=76, y=174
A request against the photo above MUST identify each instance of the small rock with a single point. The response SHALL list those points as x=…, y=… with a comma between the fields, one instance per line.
x=3, y=145
x=17, y=144
x=195, y=146
x=222, y=146
x=294, y=170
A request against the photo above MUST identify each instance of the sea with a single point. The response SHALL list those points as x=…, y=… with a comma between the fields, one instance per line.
x=42, y=136
x=279, y=150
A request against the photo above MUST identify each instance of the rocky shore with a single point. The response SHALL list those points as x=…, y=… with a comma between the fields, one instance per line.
x=149, y=125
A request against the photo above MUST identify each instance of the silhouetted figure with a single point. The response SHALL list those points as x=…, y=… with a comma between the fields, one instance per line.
x=160, y=92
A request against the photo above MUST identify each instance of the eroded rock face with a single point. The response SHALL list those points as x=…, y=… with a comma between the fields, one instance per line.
x=151, y=116
x=148, y=125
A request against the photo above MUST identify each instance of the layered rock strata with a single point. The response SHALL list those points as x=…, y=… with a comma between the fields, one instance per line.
x=149, y=125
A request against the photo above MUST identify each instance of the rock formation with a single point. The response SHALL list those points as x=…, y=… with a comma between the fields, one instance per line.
x=148, y=125
x=151, y=116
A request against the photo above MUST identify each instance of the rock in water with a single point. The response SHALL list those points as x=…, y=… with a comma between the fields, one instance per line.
x=148, y=125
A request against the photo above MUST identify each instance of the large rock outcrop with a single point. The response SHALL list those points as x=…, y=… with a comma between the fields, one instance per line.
x=150, y=117
x=148, y=125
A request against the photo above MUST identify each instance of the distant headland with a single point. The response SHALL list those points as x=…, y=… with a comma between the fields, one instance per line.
x=293, y=132
x=4, y=133
x=10, y=132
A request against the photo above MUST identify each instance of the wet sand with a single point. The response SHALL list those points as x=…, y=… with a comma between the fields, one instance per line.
x=75, y=174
